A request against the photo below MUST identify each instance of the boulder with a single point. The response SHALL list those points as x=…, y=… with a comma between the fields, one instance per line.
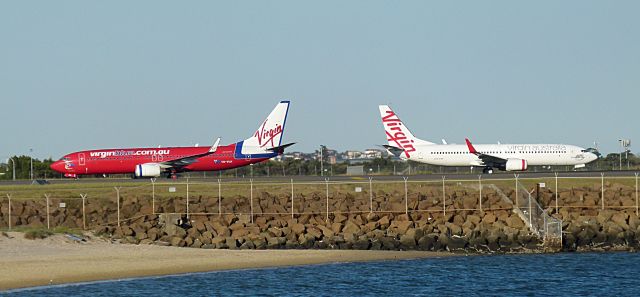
x=199, y=225
x=414, y=233
x=247, y=245
x=146, y=242
x=584, y=237
x=275, y=231
x=407, y=242
x=173, y=230
x=426, y=242
x=292, y=244
x=453, y=229
x=604, y=216
x=350, y=227
x=620, y=219
x=489, y=218
x=372, y=217
x=401, y=227
x=141, y=235
x=196, y=243
x=315, y=232
x=361, y=244
x=231, y=243
x=306, y=240
x=339, y=218
x=326, y=232
x=388, y=243
x=177, y=241
x=336, y=228
x=514, y=221
x=297, y=228
x=276, y=242
x=384, y=222
x=456, y=243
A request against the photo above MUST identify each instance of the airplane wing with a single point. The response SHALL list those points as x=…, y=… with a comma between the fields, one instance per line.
x=488, y=160
x=185, y=161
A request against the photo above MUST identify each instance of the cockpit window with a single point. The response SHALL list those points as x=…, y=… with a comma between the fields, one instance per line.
x=65, y=159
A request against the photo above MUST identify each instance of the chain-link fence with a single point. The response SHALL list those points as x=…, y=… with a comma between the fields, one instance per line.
x=539, y=202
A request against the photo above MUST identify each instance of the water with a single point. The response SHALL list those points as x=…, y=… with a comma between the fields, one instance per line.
x=596, y=274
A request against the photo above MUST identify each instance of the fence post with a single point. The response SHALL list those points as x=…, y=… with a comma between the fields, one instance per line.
x=516, y=192
x=326, y=181
x=219, y=198
x=370, y=194
x=9, y=197
x=637, y=194
x=602, y=185
x=251, y=198
x=544, y=219
x=406, y=196
x=480, y=188
x=46, y=196
x=530, y=211
x=292, y=198
x=444, y=198
x=187, y=198
x=84, y=216
x=556, y=173
x=153, y=195
x=118, y=203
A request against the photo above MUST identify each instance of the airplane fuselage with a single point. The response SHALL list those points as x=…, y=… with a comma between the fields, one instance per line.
x=124, y=161
x=534, y=154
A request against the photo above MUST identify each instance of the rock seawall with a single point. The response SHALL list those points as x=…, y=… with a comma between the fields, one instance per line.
x=455, y=224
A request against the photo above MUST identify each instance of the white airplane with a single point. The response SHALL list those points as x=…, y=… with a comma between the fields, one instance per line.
x=506, y=157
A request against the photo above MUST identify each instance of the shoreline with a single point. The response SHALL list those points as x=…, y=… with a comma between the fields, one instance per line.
x=58, y=260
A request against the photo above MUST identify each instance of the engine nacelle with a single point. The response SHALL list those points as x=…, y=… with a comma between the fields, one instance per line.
x=148, y=170
x=516, y=165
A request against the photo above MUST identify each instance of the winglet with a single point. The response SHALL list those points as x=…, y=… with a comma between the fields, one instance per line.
x=470, y=146
x=214, y=147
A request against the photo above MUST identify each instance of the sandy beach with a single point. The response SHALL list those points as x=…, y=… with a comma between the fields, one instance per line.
x=58, y=259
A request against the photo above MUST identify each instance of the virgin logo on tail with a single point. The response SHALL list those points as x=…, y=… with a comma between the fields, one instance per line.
x=266, y=135
x=393, y=128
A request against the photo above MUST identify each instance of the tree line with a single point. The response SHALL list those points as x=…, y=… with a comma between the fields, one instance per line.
x=291, y=167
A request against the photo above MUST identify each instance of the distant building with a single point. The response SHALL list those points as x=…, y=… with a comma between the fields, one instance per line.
x=372, y=154
x=352, y=155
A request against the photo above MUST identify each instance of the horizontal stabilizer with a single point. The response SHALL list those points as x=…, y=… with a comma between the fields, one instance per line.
x=396, y=151
x=280, y=149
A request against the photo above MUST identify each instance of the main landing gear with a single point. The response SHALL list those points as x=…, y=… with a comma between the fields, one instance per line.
x=172, y=175
x=487, y=170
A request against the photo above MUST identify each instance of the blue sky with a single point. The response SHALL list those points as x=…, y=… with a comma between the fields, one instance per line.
x=80, y=75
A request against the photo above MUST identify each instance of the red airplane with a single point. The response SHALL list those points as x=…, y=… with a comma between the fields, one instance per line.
x=152, y=162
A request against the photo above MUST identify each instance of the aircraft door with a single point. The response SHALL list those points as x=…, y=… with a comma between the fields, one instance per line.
x=81, y=159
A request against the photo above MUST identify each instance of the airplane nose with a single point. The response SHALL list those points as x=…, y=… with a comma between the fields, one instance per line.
x=57, y=166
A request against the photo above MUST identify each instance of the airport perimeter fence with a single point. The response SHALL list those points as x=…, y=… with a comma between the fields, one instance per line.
x=87, y=207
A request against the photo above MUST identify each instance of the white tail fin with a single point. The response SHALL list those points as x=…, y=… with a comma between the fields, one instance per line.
x=398, y=135
x=269, y=133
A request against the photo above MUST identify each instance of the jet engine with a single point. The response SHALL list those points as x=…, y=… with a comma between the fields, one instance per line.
x=516, y=165
x=148, y=170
